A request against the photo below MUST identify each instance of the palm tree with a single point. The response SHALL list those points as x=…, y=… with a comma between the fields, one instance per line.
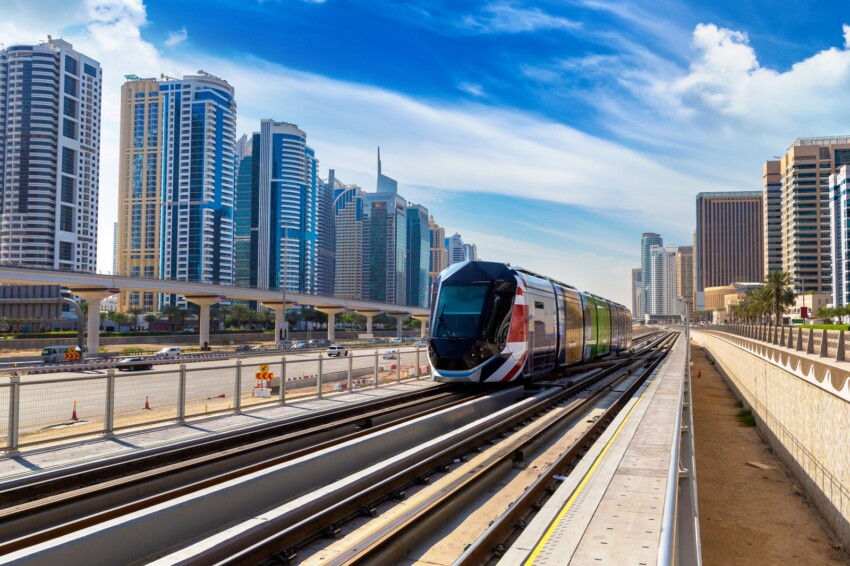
x=779, y=290
x=150, y=318
x=175, y=316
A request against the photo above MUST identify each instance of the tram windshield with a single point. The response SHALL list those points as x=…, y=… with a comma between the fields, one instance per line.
x=459, y=310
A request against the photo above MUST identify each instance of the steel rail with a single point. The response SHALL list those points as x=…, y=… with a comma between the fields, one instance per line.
x=298, y=527
x=492, y=542
x=152, y=487
x=29, y=488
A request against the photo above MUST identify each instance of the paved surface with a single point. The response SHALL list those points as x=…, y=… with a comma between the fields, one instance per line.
x=69, y=454
x=609, y=510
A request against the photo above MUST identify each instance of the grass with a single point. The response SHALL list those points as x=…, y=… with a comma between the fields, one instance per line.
x=739, y=403
x=746, y=417
x=824, y=326
x=132, y=350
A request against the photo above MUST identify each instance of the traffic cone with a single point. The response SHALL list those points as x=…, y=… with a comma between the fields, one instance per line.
x=74, y=413
x=147, y=404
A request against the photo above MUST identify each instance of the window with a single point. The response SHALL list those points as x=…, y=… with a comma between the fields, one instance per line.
x=69, y=161
x=66, y=219
x=459, y=311
x=90, y=70
x=66, y=251
x=67, y=189
x=69, y=129
x=70, y=108
x=70, y=85
x=70, y=65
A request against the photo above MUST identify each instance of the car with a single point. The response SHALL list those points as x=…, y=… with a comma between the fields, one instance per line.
x=299, y=345
x=337, y=351
x=169, y=352
x=134, y=364
x=421, y=343
x=390, y=354
x=258, y=348
x=319, y=343
x=394, y=341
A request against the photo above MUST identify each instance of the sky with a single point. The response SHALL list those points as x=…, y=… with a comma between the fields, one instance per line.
x=550, y=133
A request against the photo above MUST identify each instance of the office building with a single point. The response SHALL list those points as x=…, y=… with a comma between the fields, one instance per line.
x=663, y=299
x=348, y=238
x=685, y=273
x=176, y=181
x=325, y=236
x=418, y=255
x=772, y=215
x=278, y=184
x=637, y=291
x=729, y=238
x=50, y=106
x=647, y=241
x=839, y=207
x=439, y=252
x=804, y=171
x=384, y=242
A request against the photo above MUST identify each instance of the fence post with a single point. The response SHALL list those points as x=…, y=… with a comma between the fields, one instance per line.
x=282, y=391
x=109, y=423
x=824, y=346
x=810, y=346
x=417, y=364
x=14, y=412
x=376, y=369
x=319, y=379
x=350, y=368
x=839, y=353
x=237, y=388
x=398, y=366
x=181, y=395
x=799, y=339
x=781, y=337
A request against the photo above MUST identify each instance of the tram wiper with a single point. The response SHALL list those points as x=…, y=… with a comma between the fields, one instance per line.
x=442, y=320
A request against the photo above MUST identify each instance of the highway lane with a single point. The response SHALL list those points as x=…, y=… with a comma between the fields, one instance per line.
x=47, y=401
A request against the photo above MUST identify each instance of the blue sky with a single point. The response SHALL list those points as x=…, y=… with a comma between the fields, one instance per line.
x=552, y=134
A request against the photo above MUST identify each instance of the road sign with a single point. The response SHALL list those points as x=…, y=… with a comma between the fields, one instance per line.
x=72, y=354
x=264, y=368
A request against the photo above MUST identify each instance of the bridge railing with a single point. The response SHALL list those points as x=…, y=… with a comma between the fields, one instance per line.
x=43, y=408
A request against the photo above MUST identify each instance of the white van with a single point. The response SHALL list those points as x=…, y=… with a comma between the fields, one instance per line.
x=53, y=354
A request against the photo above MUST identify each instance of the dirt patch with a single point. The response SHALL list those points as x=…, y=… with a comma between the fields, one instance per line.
x=748, y=515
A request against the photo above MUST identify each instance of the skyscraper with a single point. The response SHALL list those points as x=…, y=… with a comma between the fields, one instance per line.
x=418, y=255
x=804, y=172
x=685, y=273
x=637, y=291
x=663, y=299
x=348, y=237
x=772, y=215
x=648, y=240
x=439, y=253
x=325, y=238
x=246, y=213
x=177, y=181
x=50, y=101
x=729, y=244
x=384, y=242
x=840, y=236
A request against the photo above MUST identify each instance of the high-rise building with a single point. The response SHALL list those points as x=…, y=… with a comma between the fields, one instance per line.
x=470, y=251
x=685, y=273
x=176, y=181
x=457, y=253
x=114, y=247
x=439, y=252
x=839, y=222
x=246, y=212
x=418, y=255
x=348, y=237
x=325, y=237
x=50, y=101
x=648, y=240
x=804, y=172
x=772, y=215
x=384, y=242
x=278, y=184
x=663, y=299
x=637, y=291
x=729, y=248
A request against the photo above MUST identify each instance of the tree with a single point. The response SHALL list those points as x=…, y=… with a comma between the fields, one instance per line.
x=779, y=291
x=151, y=318
x=175, y=316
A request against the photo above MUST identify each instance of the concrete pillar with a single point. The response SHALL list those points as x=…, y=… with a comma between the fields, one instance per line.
x=93, y=297
x=204, y=302
x=423, y=321
x=369, y=318
x=331, y=312
x=399, y=319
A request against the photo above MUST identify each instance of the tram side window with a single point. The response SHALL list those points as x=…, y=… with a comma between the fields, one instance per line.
x=459, y=311
x=499, y=318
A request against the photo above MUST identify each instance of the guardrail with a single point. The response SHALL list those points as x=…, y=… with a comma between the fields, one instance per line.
x=44, y=409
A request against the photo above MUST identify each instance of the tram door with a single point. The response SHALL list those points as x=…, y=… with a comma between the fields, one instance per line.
x=542, y=330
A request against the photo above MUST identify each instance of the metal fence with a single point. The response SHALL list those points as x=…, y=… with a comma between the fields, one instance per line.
x=44, y=408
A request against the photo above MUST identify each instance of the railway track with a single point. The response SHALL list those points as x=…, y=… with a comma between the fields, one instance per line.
x=129, y=490
x=527, y=429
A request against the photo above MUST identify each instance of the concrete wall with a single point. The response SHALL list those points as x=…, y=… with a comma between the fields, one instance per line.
x=802, y=408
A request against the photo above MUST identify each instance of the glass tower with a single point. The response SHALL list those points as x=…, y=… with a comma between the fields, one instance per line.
x=418, y=255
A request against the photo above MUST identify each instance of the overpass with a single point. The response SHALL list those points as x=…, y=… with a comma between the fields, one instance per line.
x=93, y=287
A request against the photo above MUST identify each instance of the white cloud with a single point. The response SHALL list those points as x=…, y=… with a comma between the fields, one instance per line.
x=471, y=88
x=502, y=17
x=177, y=37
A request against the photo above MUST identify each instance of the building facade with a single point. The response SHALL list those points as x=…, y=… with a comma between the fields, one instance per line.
x=729, y=238
x=805, y=170
x=685, y=274
x=772, y=215
x=246, y=213
x=663, y=299
x=637, y=291
x=325, y=237
x=384, y=242
x=647, y=241
x=439, y=252
x=839, y=234
x=50, y=107
x=348, y=238
x=418, y=256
